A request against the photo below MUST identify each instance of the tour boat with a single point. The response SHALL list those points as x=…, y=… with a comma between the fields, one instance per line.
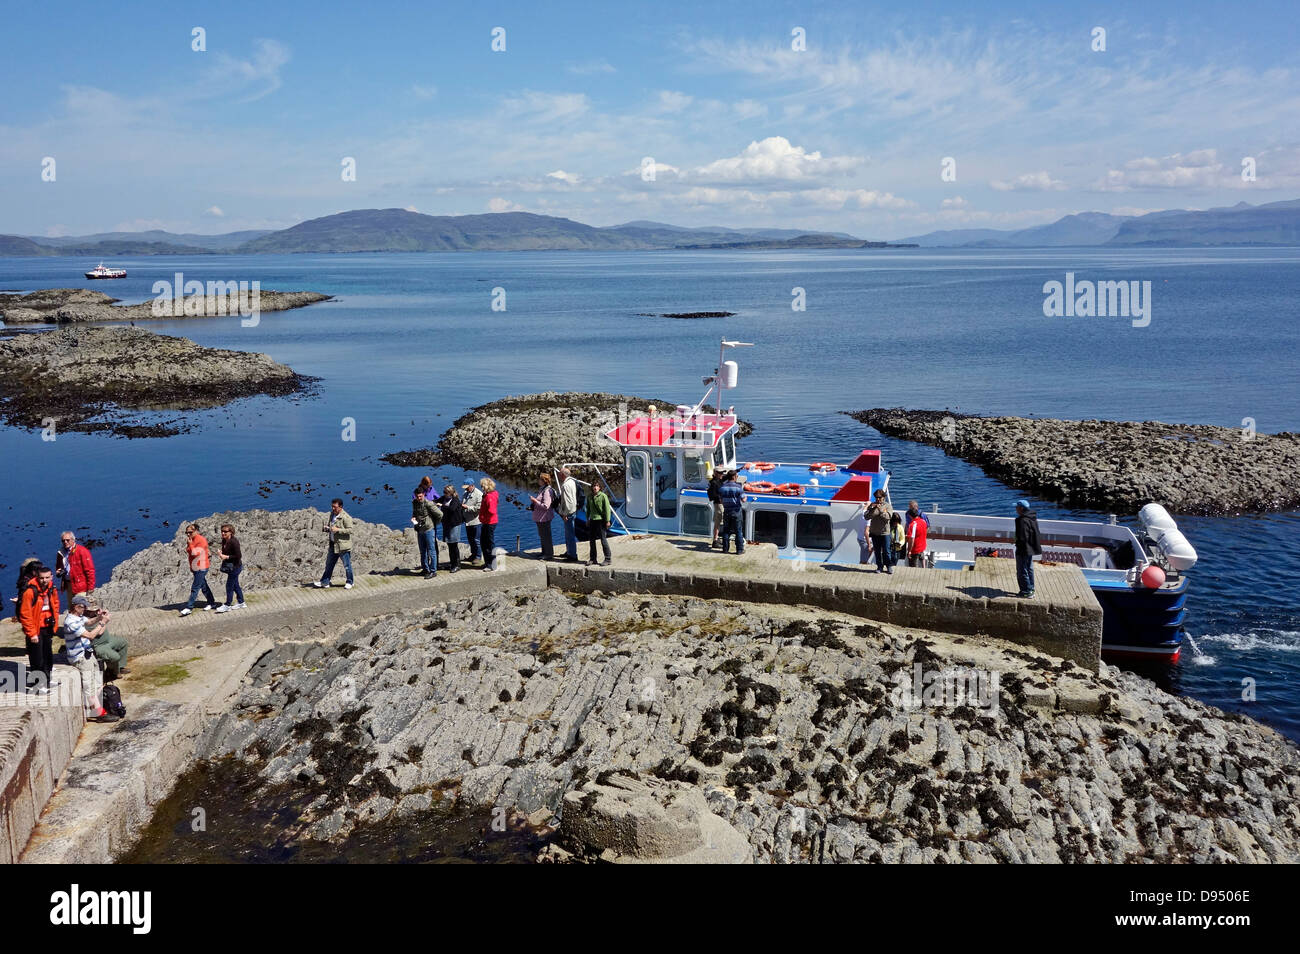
x=814, y=512
x=101, y=271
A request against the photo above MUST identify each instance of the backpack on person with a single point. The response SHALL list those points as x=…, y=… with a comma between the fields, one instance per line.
x=112, y=700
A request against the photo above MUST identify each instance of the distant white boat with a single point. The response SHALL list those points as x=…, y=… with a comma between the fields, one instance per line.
x=101, y=271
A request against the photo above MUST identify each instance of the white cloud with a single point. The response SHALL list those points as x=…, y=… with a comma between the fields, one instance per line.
x=502, y=205
x=956, y=202
x=214, y=210
x=423, y=92
x=562, y=176
x=590, y=67
x=260, y=72
x=410, y=208
x=1028, y=182
x=1199, y=169
x=671, y=101
x=775, y=159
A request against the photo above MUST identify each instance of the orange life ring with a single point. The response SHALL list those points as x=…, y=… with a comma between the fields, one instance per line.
x=760, y=487
x=760, y=465
x=823, y=467
x=789, y=490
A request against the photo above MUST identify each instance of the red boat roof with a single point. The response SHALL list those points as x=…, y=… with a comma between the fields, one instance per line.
x=703, y=431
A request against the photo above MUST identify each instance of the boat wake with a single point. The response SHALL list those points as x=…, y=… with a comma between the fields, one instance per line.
x=1268, y=640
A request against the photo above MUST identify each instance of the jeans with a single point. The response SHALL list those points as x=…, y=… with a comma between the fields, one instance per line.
x=331, y=559
x=596, y=531
x=233, y=589
x=200, y=585
x=1025, y=571
x=112, y=650
x=489, y=541
x=472, y=535
x=570, y=538
x=731, y=526
x=544, y=534
x=40, y=657
x=428, y=540
x=880, y=543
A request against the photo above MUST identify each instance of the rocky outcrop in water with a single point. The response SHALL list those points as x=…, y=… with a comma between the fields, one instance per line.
x=807, y=734
x=281, y=548
x=1115, y=465
x=75, y=375
x=79, y=305
x=516, y=438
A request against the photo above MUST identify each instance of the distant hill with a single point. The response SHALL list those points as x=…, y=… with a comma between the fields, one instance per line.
x=397, y=230
x=1277, y=223
x=813, y=240
x=156, y=237
x=15, y=246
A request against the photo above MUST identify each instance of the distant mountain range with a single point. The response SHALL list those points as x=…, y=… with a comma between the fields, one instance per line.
x=398, y=230
x=1277, y=223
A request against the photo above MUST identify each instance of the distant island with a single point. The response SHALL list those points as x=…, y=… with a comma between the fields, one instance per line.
x=400, y=230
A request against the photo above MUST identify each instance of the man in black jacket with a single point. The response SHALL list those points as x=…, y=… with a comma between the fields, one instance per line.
x=1027, y=547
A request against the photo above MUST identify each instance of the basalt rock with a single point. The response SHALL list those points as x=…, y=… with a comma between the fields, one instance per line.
x=1115, y=465
x=79, y=305
x=798, y=730
x=516, y=438
x=77, y=374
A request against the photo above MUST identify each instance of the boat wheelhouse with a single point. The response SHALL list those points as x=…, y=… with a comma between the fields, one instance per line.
x=814, y=512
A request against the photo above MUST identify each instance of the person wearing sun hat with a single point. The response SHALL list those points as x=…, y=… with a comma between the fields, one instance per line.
x=470, y=502
x=80, y=629
x=1027, y=547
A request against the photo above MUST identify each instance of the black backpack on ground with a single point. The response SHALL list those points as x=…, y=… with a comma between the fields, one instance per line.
x=112, y=700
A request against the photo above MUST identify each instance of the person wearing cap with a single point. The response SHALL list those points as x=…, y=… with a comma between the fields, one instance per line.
x=1027, y=547
x=79, y=630
x=878, y=518
x=470, y=503
x=566, y=506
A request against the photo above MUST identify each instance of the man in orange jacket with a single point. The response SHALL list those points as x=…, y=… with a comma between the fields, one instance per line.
x=38, y=612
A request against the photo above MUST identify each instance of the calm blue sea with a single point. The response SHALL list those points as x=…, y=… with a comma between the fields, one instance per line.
x=412, y=342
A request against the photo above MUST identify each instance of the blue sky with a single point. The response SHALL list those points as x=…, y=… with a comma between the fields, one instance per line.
x=846, y=135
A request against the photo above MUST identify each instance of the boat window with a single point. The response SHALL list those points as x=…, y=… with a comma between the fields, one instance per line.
x=812, y=531
x=697, y=519
x=693, y=471
x=772, y=526
x=731, y=449
x=719, y=460
x=638, y=485
x=665, y=484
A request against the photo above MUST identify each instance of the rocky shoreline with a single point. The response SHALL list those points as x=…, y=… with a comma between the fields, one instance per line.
x=75, y=375
x=516, y=438
x=672, y=729
x=1115, y=465
x=78, y=305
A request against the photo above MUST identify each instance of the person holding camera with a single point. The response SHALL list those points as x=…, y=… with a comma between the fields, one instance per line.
x=879, y=515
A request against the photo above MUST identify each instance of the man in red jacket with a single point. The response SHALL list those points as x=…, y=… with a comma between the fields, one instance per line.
x=74, y=568
x=38, y=612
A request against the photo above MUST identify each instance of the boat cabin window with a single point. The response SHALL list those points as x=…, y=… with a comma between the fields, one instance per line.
x=697, y=519
x=637, y=502
x=665, y=484
x=772, y=526
x=730, y=442
x=719, y=457
x=694, y=473
x=812, y=531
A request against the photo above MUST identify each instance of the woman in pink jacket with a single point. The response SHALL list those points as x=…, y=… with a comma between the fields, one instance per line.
x=487, y=517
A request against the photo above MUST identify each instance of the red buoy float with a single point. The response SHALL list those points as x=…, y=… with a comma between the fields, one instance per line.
x=1153, y=577
x=823, y=467
x=760, y=487
x=789, y=490
x=760, y=465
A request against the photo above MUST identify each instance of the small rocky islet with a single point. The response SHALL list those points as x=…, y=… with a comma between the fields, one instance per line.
x=676, y=728
x=80, y=305
x=1116, y=465
x=89, y=379
x=516, y=438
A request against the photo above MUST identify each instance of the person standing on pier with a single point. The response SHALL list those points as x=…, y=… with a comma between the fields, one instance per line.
x=196, y=549
x=232, y=564
x=426, y=515
x=599, y=516
x=339, y=528
x=918, y=526
x=566, y=507
x=543, y=513
x=74, y=568
x=487, y=517
x=453, y=517
x=38, y=613
x=732, y=494
x=1027, y=547
x=472, y=502
x=715, y=485
x=878, y=514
